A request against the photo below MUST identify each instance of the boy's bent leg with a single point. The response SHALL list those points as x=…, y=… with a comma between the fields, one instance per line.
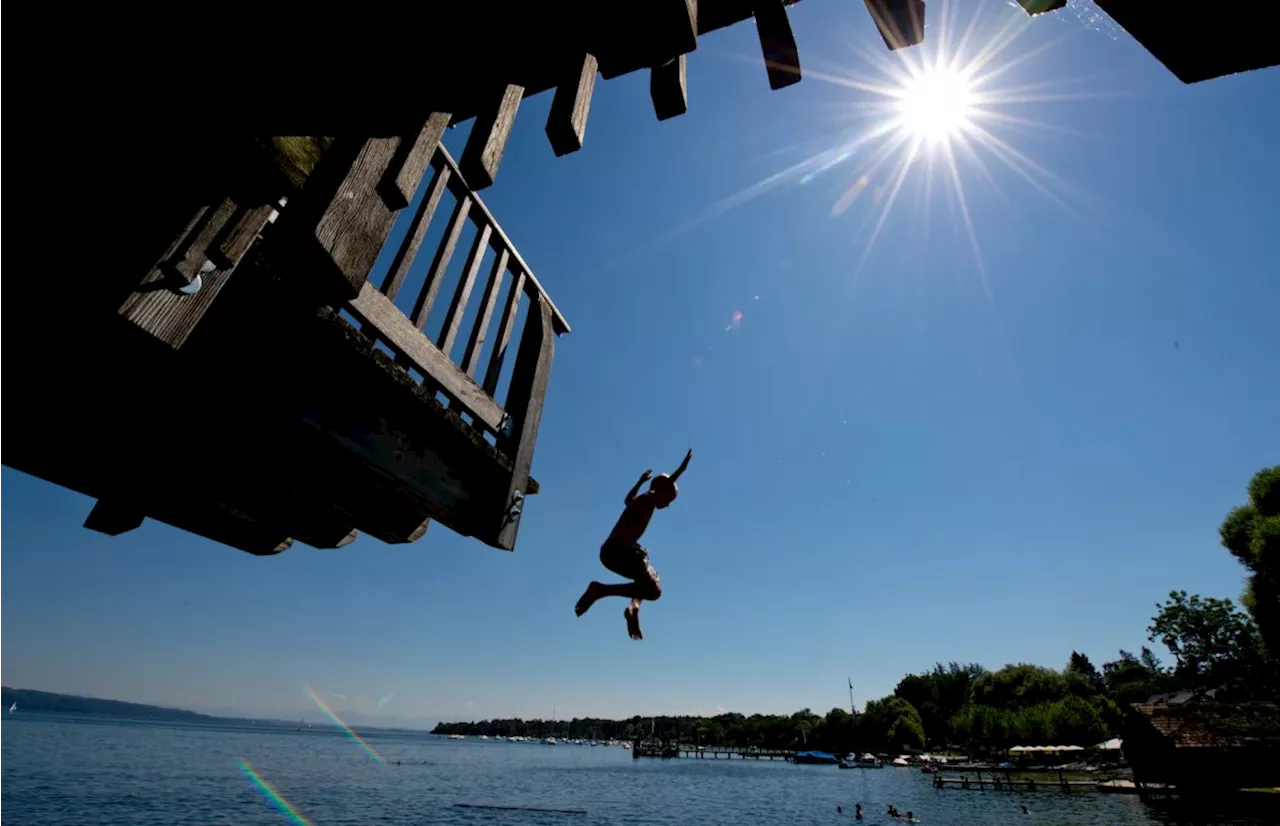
x=596, y=590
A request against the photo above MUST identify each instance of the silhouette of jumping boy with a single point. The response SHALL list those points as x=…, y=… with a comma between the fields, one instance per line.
x=623, y=554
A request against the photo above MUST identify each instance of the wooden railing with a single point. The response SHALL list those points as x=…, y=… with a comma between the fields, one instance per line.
x=403, y=332
x=471, y=391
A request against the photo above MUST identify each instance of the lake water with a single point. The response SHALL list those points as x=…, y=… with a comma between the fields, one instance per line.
x=108, y=772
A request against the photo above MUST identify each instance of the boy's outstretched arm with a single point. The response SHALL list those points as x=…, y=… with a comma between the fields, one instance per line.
x=683, y=465
x=635, y=489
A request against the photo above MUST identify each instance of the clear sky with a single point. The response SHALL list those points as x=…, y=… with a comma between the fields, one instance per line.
x=905, y=451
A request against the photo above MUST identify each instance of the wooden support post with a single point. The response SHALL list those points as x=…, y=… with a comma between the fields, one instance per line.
x=113, y=518
x=480, y=329
x=444, y=252
x=777, y=42
x=567, y=123
x=509, y=309
x=463, y=293
x=901, y=22
x=341, y=212
x=417, y=231
x=489, y=133
x=667, y=88
x=412, y=157
x=524, y=406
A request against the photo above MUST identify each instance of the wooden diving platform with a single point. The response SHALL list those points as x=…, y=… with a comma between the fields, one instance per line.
x=228, y=202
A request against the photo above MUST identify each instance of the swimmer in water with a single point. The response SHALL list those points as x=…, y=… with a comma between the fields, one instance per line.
x=857, y=812
x=623, y=554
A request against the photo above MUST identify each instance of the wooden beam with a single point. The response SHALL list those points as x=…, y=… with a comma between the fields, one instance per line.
x=524, y=405
x=444, y=252
x=462, y=294
x=417, y=230
x=488, y=140
x=567, y=123
x=186, y=264
x=901, y=22
x=412, y=157
x=405, y=338
x=499, y=353
x=777, y=42
x=480, y=329
x=1034, y=7
x=238, y=235
x=113, y=518
x=667, y=89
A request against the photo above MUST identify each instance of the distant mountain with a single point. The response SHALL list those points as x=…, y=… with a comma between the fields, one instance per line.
x=29, y=700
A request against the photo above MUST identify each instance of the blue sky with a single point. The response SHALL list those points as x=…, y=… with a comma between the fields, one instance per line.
x=893, y=464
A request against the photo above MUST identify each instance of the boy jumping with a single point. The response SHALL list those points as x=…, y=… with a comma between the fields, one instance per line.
x=622, y=553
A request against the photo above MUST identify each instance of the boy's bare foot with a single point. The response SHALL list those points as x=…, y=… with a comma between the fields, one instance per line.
x=632, y=613
x=588, y=598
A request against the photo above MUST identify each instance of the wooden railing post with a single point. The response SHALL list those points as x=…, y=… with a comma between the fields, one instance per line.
x=341, y=220
x=524, y=406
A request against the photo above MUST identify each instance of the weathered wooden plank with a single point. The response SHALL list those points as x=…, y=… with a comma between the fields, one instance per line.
x=463, y=293
x=524, y=405
x=404, y=337
x=417, y=230
x=901, y=22
x=354, y=221
x=667, y=88
x=777, y=42
x=412, y=157
x=509, y=310
x=480, y=329
x=226, y=526
x=190, y=258
x=567, y=122
x=488, y=140
x=640, y=33
x=238, y=235
x=444, y=252
x=171, y=317
x=113, y=518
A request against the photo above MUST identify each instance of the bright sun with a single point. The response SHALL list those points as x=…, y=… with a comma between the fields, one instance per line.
x=935, y=104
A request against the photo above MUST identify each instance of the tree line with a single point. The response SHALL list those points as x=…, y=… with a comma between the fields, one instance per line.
x=1214, y=644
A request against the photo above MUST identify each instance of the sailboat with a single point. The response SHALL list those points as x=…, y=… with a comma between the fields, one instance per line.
x=13, y=708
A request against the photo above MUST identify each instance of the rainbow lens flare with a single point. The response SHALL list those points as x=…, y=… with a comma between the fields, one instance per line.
x=337, y=721
x=274, y=797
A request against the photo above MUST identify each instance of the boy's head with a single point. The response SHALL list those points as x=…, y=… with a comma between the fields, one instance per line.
x=664, y=490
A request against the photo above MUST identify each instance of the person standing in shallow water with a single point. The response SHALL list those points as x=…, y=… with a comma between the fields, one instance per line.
x=623, y=554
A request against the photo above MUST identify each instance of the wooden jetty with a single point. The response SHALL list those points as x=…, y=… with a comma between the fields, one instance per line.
x=670, y=750
x=235, y=345
x=1005, y=782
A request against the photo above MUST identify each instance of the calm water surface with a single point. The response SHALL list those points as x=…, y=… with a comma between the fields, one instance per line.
x=109, y=772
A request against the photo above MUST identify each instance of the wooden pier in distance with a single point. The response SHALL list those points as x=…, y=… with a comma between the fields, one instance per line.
x=1007, y=783
x=669, y=750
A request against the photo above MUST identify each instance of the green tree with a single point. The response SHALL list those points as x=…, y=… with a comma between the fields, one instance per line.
x=1080, y=666
x=890, y=723
x=939, y=695
x=1251, y=533
x=1211, y=640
